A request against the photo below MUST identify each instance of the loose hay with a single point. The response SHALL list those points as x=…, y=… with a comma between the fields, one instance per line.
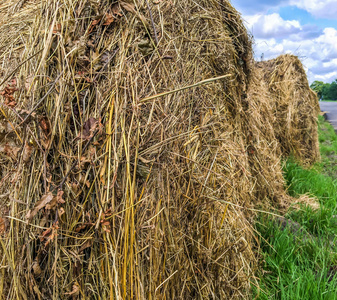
x=117, y=181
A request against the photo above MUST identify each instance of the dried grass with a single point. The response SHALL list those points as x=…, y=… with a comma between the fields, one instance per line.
x=295, y=107
x=130, y=169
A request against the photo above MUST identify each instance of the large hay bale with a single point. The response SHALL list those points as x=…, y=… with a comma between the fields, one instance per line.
x=110, y=193
x=295, y=107
x=125, y=173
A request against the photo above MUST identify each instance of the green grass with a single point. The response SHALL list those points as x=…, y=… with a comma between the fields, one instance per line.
x=303, y=264
x=328, y=148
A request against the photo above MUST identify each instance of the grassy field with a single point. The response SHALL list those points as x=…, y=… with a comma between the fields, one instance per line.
x=299, y=256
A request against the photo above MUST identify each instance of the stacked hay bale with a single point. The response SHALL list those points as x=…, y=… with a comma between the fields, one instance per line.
x=134, y=143
x=295, y=107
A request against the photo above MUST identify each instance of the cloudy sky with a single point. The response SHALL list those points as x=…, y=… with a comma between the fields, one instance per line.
x=306, y=28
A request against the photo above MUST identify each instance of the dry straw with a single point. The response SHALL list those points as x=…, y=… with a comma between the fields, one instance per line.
x=134, y=144
x=295, y=107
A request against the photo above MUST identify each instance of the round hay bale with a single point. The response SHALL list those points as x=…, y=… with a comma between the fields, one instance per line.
x=295, y=107
x=124, y=169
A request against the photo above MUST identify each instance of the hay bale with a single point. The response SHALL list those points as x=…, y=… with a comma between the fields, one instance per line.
x=111, y=192
x=134, y=144
x=262, y=145
x=295, y=107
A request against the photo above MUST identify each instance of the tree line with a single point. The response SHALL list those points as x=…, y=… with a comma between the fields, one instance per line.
x=325, y=91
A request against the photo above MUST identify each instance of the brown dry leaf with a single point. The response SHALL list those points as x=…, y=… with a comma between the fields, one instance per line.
x=80, y=227
x=8, y=92
x=9, y=150
x=45, y=126
x=75, y=291
x=2, y=226
x=116, y=10
x=88, y=130
x=49, y=234
x=59, y=197
x=108, y=19
x=61, y=211
x=27, y=153
x=106, y=226
x=45, y=199
x=86, y=245
x=56, y=200
x=57, y=28
x=131, y=8
x=93, y=25
x=36, y=268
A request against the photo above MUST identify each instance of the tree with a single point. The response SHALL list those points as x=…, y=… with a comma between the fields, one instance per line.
x=318, y=86
x=333, y=90
x=325, y=91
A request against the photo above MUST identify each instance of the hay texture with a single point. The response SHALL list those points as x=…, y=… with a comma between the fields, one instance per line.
x=134, y=144
x=111, y=193
x=294, y=105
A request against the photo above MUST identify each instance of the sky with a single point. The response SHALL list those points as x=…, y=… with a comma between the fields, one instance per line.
x=306, y=28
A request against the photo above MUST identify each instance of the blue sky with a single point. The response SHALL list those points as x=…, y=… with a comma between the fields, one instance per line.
x=306, y=28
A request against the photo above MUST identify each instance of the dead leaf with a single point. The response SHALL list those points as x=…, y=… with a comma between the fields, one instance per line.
x=2, y=226
x=81, y=227
x=49, y=234
x=56, y=200
x=36, y=269
x=116, y=10
x=7, y=93
x=75, y=291
x=27, y=153
x=88, y=129
x=61, y=211
x=86, y=245
x=108, y=19
x=93, y=25
x=45, y=199
x=9, y=149
x=131, y=8
x=106, y=226
x=57, y=28
x=45, y=126
x=48, y=201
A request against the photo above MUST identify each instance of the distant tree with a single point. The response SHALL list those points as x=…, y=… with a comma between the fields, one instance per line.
x=318, y=86
x=333, y=90
x=325, y=91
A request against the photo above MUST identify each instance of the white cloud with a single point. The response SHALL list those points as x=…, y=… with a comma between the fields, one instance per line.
x=261, y=6
x=275, y=36
x=267, y=26
x=318, y=8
